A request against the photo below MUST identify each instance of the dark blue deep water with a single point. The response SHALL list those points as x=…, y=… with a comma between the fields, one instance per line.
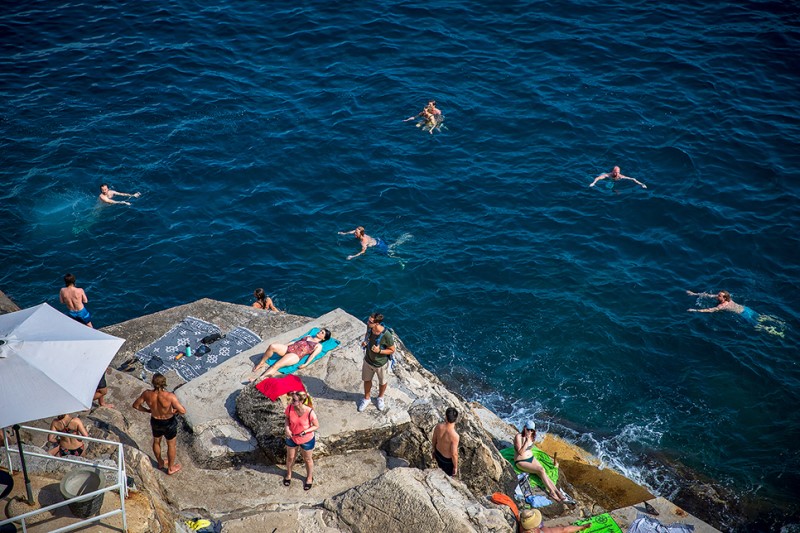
x=255, y=131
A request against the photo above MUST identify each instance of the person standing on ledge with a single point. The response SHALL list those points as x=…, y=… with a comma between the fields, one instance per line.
x=444, y=442
x=378, y=349
x=162, y=406
x=107, y=195
x=74, y=298
x=263, y=301
x=616, y=175
x=366, y=242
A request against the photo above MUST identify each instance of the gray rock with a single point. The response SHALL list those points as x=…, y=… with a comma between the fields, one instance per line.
x=265, y=419
x=411, y=500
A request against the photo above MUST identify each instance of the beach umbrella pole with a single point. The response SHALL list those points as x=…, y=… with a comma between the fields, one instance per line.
x=24, y=468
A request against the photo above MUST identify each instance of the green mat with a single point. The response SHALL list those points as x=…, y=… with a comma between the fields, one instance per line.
x=547, y=462
x=602, y=523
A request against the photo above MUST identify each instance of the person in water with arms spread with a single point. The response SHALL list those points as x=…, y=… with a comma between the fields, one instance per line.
x=616, y=175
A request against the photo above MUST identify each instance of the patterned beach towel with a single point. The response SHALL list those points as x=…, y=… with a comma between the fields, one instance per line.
x=160, y=356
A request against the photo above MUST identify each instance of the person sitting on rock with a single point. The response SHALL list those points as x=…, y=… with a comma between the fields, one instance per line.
x=525, y=461
x=530, y=521
x=291, y=354
x=67, y=445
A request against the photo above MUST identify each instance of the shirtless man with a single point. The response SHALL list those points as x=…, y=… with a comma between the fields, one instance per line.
x=725, y=304
x=162, y=406
x=616, y=175
x=107, y=195
x=431, y=117
x=445, y=443
x=366, y=242
x=74, y=298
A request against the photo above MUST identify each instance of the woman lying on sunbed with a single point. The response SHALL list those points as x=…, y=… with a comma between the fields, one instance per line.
x=291, y=354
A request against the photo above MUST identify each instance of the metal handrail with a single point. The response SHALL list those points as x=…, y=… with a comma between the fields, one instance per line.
x=121, y=485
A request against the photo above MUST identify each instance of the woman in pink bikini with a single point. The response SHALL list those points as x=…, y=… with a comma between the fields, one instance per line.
x=291, y=354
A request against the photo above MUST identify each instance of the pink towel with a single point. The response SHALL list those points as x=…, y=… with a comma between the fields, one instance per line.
x=274, y=387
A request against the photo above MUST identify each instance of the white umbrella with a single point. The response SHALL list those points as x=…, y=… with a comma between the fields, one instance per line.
x=49, y=365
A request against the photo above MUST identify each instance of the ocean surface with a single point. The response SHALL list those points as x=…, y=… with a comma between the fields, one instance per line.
x=256, y=131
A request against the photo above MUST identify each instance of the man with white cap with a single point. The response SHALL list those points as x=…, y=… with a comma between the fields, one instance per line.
x=530, y=521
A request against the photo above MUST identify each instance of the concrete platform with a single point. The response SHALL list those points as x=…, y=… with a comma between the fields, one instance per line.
x=334, y=382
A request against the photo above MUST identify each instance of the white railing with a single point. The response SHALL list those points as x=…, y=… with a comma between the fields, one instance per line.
x=121, y=484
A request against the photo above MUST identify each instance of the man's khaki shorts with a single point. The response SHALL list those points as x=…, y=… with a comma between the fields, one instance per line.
x=368, y=372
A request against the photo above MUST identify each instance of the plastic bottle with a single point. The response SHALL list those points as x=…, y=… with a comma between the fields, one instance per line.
x=188, y=351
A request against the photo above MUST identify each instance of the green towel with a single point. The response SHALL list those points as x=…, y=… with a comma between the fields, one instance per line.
x=546, y=461
x=603, y=523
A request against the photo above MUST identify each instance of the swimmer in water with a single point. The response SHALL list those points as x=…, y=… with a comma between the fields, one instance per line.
x=107, y=195
x=431, y=117
x=726, y=303
x=616, y=175
x=366, y=242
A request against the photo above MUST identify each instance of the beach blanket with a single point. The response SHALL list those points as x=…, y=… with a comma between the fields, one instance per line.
x=160, y=355
x=272, y=388
x=646, y=524
x=546, y=461
x=327, y=346
x=602, y=523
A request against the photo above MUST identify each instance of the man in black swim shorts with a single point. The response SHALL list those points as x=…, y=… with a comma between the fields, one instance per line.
x=162, y=406
x=444, y=442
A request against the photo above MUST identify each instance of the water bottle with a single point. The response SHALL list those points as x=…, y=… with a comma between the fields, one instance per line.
x=188, y=351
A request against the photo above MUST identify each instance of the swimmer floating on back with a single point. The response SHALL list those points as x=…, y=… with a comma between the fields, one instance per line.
x=431, y=118
x=726, y=303
x=366, y=241
x=616, y=175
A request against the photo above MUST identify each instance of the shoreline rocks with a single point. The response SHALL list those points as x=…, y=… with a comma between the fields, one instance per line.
x=232, y=447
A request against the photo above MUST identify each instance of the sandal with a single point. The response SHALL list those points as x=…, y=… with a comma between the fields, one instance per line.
x=307, y=486
x=286, y=481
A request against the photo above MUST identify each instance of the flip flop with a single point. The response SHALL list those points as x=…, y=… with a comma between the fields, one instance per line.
x=307, y=486
x=286, y=482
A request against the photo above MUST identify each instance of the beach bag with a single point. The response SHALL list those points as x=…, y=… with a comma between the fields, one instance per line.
x=211, y=339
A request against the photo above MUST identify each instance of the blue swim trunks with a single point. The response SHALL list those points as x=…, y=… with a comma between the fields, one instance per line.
x=750, y=315
x=81, y=316
x=381, y=245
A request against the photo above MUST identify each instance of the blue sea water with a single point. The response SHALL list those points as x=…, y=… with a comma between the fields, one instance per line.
x=256, y=131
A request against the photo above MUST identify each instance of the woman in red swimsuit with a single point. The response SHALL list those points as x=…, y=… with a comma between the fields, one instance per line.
x=291, y=354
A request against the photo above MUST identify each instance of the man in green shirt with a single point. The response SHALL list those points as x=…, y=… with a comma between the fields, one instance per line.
x=378, y=347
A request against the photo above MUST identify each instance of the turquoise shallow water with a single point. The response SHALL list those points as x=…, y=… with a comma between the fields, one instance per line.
x=255, y=133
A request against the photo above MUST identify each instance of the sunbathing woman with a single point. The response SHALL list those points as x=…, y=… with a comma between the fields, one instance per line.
x=263, y=301
x=291, y=354
x=67, y=445
x=525, y=461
